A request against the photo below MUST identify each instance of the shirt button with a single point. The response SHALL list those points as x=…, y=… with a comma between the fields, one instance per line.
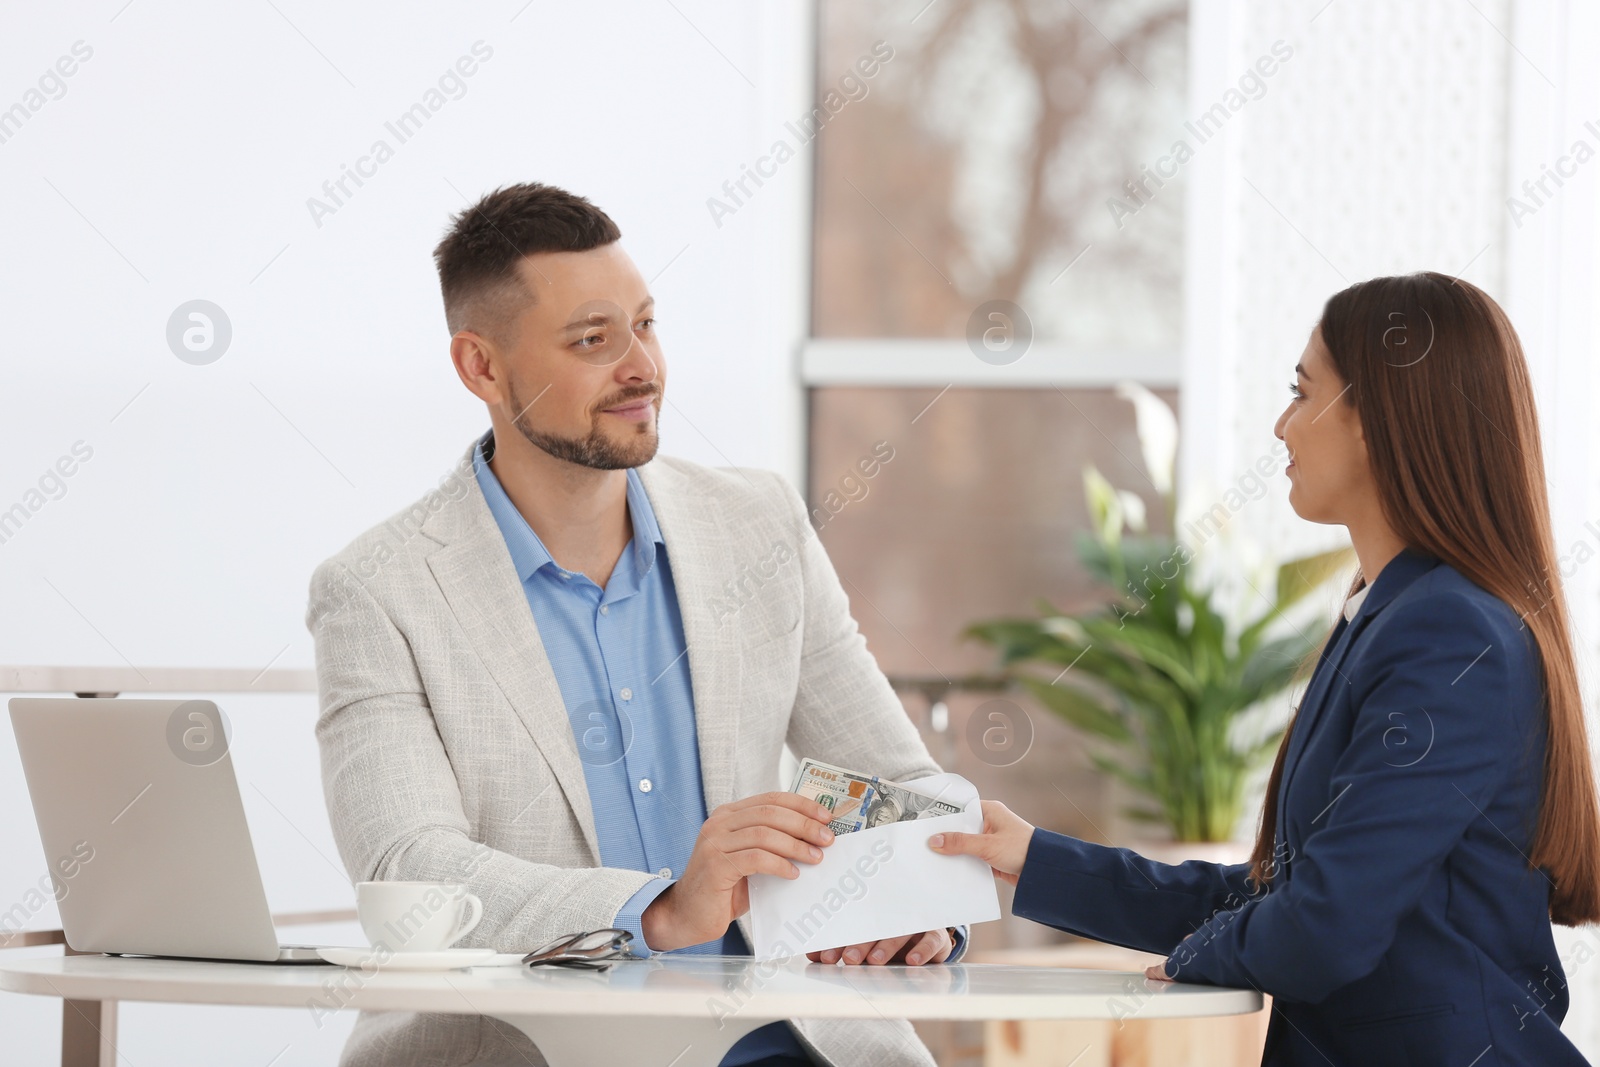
x=644, y=785
x=626, y=694
x=565, y=575
x=665, y=872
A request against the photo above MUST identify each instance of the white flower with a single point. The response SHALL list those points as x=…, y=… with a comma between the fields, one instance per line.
x=1158, y=433
x=1132, y=510
x=1105, y=506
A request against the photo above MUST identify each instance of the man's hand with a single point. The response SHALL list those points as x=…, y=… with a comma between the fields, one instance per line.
x=1003, y=845
x=934, y=946
x=757, y=835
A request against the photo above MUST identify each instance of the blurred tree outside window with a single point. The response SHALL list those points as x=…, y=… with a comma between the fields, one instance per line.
x=977, y=162
x=982, y=160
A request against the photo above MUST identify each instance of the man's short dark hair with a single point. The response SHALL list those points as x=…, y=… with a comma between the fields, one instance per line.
x=478, y=259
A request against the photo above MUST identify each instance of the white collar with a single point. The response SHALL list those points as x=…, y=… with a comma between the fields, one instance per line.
x=1353, y=604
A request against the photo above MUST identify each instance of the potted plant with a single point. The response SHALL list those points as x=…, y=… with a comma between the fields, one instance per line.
x=1163, y=674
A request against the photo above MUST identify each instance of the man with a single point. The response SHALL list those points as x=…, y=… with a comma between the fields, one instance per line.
x=565, y=680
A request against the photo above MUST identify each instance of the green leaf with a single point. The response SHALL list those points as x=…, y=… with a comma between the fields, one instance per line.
x=1018, y=639
x=1138, y=642
x=1080, y=710
x=1134, y=780
x=1148, y=569
x=1300, y=576
x=1273, y=666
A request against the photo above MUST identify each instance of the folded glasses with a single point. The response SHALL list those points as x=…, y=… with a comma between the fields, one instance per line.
x=594, y=950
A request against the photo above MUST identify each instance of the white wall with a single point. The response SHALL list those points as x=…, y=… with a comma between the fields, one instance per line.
x=1552, y=285
x=177, y=165
x=1389, y=143
x=1377, y=148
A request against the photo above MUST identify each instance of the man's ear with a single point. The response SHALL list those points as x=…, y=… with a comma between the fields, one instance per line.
x=479, y=367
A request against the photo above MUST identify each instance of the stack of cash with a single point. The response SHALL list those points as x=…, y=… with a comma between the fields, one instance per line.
x=861, y=801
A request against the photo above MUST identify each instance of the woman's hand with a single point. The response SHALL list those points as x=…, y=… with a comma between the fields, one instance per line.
x=1157, y=972
x=1003, y=845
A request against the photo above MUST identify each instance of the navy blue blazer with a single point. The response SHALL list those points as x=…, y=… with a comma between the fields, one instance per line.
x=1404, y=924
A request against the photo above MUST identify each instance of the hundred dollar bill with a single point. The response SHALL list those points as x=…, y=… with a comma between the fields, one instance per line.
x=845, y=793
x=860, y=801
x=896, y=803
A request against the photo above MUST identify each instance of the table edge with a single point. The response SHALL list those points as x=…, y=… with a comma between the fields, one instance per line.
x=1178, y=1001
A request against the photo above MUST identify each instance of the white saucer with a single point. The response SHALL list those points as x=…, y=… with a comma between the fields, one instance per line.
x=449, y=959
x=504, y=959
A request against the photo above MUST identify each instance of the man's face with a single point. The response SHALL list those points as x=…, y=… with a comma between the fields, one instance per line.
x=584, y=366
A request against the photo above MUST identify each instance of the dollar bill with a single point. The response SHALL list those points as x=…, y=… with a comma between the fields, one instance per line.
x=844, y=793
x=860, y=801
x=896, y=803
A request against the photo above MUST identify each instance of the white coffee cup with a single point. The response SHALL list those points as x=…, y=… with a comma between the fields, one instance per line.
x=416, y=916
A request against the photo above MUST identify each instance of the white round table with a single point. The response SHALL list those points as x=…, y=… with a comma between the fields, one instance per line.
x=700, y=1004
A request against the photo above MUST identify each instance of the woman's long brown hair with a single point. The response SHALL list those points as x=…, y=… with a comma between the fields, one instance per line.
x=1438, y=379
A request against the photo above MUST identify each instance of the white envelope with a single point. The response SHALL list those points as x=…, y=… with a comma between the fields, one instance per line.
x=877, y=883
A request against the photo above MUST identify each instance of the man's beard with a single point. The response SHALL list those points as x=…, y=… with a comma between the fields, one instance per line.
x=596, y=450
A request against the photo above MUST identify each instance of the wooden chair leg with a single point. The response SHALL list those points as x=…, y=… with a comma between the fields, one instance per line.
x=88, y=1032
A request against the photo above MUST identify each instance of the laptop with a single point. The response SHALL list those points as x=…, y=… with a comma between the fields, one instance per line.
x=143, y=829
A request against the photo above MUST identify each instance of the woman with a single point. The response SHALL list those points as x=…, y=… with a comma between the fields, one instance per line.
x=1432, y=807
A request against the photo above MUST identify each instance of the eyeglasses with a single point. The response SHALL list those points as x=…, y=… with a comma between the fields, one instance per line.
x=592, y=951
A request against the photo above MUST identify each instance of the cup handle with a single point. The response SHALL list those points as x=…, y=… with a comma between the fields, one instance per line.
x=476, y=907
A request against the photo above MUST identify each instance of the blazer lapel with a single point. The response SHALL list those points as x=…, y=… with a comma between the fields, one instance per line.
x=474, y=571
x=1399, y=573
x=692, y=527
x=1311, y=706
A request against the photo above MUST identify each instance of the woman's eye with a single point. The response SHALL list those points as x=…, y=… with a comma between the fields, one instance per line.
x=591, y=341
x=646, y=325
x=1294, y=389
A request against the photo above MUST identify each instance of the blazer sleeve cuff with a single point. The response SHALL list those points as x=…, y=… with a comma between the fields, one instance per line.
x=958, y=934
x=1211, y=956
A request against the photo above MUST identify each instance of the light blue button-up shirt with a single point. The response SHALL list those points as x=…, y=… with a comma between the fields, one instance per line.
x=621, y=662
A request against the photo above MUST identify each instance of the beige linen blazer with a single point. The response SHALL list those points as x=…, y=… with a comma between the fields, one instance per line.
x=447, y=754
